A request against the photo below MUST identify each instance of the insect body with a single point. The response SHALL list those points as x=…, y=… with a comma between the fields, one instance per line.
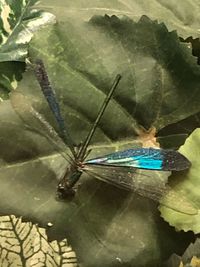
x=122, y=169
x=125, y=163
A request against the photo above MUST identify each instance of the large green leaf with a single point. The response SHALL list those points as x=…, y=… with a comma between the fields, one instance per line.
x=105, y=225
x=160, y=78
x=180, y=16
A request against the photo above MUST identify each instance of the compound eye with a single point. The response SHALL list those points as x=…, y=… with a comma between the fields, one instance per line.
x=61, y=187
x=64, y=193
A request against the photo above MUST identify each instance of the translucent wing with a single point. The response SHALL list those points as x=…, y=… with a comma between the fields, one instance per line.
x=145, y=158
x=131, y=179
x=36, y=122
x=150, y=184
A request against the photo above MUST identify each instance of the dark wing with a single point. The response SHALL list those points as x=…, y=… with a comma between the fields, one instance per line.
x=150, y=184
x=50, y=96
x=145, y=158
x=36, y=122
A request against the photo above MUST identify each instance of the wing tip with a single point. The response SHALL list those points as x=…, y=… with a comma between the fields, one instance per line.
x=175, y=161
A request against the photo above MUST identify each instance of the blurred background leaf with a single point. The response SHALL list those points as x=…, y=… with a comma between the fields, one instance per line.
x=18, y=21
x=190, y=258
x=180, y=16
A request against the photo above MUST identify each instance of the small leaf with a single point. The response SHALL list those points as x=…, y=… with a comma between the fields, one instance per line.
x=190, y=258
x=10, y=73
x=24, y=243
x=187, y=184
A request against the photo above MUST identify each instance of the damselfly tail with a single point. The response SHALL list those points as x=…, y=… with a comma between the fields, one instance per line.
x=83, y=149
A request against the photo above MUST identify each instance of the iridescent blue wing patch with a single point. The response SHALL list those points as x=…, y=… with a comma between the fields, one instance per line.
x=144, y=158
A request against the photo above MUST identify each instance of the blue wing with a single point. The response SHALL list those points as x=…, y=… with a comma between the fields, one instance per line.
x=49, y=93
x=50, y=96
x=144, y=158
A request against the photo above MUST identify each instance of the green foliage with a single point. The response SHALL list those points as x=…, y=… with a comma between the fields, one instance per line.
x=190, y=258
x=179, y=16
x=28, y=245
x=154, y=90
x=187, y=184
x=18, y=22
x=159, y=87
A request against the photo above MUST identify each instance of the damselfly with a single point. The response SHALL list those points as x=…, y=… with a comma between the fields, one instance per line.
x=122, y=169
